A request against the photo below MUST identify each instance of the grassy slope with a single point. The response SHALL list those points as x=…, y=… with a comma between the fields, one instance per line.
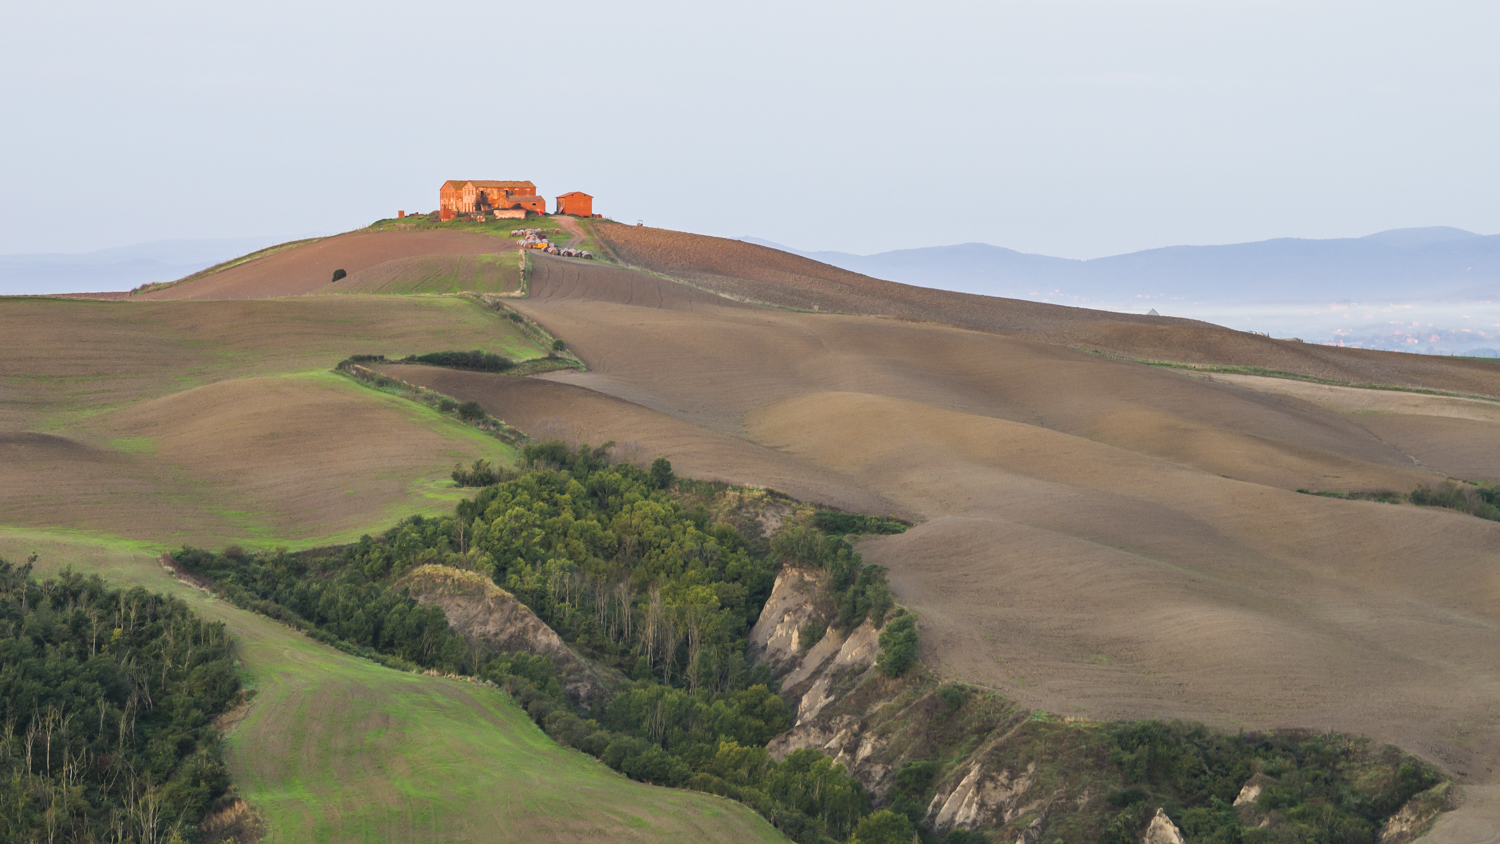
x=497, y=273
x=337, y=749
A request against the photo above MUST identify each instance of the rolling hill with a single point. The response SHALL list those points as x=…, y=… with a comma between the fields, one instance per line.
x=1399, y=264
x=1097, y=536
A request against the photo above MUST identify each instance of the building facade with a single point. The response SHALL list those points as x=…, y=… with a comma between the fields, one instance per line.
x=576, y=203
x=477, y=196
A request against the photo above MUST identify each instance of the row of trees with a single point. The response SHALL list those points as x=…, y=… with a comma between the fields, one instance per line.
x=107, y=700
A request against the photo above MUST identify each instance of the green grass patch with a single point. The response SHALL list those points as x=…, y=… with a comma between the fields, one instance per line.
x=494, y=228
x=133, y=445
x=439, y=274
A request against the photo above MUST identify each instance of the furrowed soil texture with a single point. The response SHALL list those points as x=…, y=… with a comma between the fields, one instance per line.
x=309, y=268
x=220, y=422
x=757, y=273
x=1096, y=537
x=337, y=749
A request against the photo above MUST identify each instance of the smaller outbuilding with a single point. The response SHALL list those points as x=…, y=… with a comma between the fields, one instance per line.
x=576, y=203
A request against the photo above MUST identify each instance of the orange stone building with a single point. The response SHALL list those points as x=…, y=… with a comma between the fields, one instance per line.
x=475, y=196
x=577, y=203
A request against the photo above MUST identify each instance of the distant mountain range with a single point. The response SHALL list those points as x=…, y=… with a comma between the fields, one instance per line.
x=121, y=268
x=1397, y=265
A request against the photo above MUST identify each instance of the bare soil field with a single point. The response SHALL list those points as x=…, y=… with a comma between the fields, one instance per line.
x=1098, y=537
x=290, y=460
x=1454, y=436
x=219, y=422
x=68, y=359
x=309, y=268
x=761, y=274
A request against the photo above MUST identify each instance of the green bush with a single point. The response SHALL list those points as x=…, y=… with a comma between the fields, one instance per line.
x=471, y=411
x=898, y=646
x=916, y=776
x=338, y=274
x=953, y=696
x=810, y=634
x=480, y=474
x=883, y=827
x=839, y=523
x=661, y=473
x=558, y=345
x=475, y=361
x=1465, y=499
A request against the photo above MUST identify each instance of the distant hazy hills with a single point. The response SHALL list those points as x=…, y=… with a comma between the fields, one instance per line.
x=122, y=268
x=1401, y=264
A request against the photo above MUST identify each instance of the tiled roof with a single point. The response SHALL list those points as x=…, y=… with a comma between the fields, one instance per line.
x=486, y=183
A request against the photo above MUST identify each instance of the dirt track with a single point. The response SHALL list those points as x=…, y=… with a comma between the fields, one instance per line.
x=1099, y=537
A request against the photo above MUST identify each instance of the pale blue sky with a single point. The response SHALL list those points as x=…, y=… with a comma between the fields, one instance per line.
x=1075, y=128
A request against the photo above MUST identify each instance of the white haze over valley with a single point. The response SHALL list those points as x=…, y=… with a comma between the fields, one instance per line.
x=1430, y=290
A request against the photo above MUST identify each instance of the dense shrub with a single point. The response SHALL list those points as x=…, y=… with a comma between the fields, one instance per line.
x=898, y=646
x=810, y=634
x=1327, y=787
x=661, y=473
x=338, y=274
x=476, y=361
x=883, y=827
x=1474, y=501
x=839, y=523
x=480, y=474
x=108, y=701
x=471, y=411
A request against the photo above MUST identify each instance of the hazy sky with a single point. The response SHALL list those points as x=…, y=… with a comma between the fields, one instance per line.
x=1076, y=128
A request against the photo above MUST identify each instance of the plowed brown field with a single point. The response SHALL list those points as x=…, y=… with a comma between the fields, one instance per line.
x=309, y=268
x=214, y=422
x=1098, y=537
x=779, y=278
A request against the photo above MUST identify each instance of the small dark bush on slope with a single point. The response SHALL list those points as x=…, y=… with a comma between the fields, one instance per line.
x=475, y=361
